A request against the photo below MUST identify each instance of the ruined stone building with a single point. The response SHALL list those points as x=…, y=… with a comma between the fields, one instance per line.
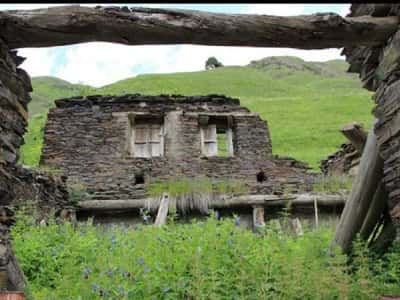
x=115, y=144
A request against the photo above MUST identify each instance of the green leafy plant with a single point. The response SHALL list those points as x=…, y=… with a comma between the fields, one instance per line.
x=212, y=259
x=77, y=192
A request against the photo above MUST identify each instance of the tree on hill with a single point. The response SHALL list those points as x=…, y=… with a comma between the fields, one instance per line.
x=213, y=63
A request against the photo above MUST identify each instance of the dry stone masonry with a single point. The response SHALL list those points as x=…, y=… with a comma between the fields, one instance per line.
x=17, y=183
x=379, y=69
x=114, y=144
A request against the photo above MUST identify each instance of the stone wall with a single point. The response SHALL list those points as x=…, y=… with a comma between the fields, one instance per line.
x=379, y=69
x=345, y=161
x=19, y=184
x=87, y=138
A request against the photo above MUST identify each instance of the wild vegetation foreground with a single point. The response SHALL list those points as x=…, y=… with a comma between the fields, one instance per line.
x=212, y=259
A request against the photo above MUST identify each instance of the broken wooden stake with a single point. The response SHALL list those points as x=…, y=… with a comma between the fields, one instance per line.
x=386, y=236
x=258, y=217
x=296, y=227
x=356, y=135
x=375, y=211
x=316, y=211
x=162, y=211
x=359, y=200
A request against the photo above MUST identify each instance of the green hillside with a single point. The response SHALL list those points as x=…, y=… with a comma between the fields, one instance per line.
x=47, y=89
x=305, y=103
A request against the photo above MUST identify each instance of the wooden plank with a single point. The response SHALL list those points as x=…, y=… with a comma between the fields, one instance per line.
x=56, y=26
x=229, y=137
x=162, y=211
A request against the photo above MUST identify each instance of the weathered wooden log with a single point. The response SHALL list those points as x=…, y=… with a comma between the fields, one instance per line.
x=375, y=210
x=263, y=200
x=162, y=210
x=356, y=135
x=359, y=200
x=65, y=25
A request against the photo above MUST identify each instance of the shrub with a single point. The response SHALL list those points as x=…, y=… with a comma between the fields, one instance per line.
x=213, y=63
x=77, y=192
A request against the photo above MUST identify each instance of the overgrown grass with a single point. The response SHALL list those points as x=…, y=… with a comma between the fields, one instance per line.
x=203, y=260
x=332, y=183
x=187, y=186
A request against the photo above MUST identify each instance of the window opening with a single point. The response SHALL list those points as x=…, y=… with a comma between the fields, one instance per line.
x=216, y=137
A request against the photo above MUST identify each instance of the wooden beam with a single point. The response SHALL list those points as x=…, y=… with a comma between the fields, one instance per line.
x=56, y=26
x=263, y=200
x=356, y=135
x=363, y=189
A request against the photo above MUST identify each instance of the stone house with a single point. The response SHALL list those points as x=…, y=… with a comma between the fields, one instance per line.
x=115, y=144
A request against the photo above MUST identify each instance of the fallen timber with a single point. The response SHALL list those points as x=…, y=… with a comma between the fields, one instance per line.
x=66, y=25
x=245, y=200
x=363, y=206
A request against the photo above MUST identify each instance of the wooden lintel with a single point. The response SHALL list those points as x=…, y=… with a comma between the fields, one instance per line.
x=64, y=25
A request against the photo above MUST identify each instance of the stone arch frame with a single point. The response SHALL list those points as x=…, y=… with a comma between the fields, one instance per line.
x=369, y=35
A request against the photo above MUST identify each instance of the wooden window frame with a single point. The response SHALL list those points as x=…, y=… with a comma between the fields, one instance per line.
x=149, y=140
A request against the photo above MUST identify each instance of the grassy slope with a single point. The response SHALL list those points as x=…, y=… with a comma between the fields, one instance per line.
x=47, y=89
x=305, y=108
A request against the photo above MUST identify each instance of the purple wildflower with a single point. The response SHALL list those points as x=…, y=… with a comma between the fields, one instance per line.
x=166, y=290
x=109, y=272
x=237, y=221
x=122, y=291
x=86, y=272
x=95, y=287
x=125, y=274
x=140, y=261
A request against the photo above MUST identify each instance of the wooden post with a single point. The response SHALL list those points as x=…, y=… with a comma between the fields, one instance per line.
x=162, y=211
x=359, y=200
x=316, y=211
x=258, y=217
x=296, y=226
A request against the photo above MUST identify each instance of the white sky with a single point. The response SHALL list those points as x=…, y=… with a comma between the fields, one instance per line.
x=98, y=64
